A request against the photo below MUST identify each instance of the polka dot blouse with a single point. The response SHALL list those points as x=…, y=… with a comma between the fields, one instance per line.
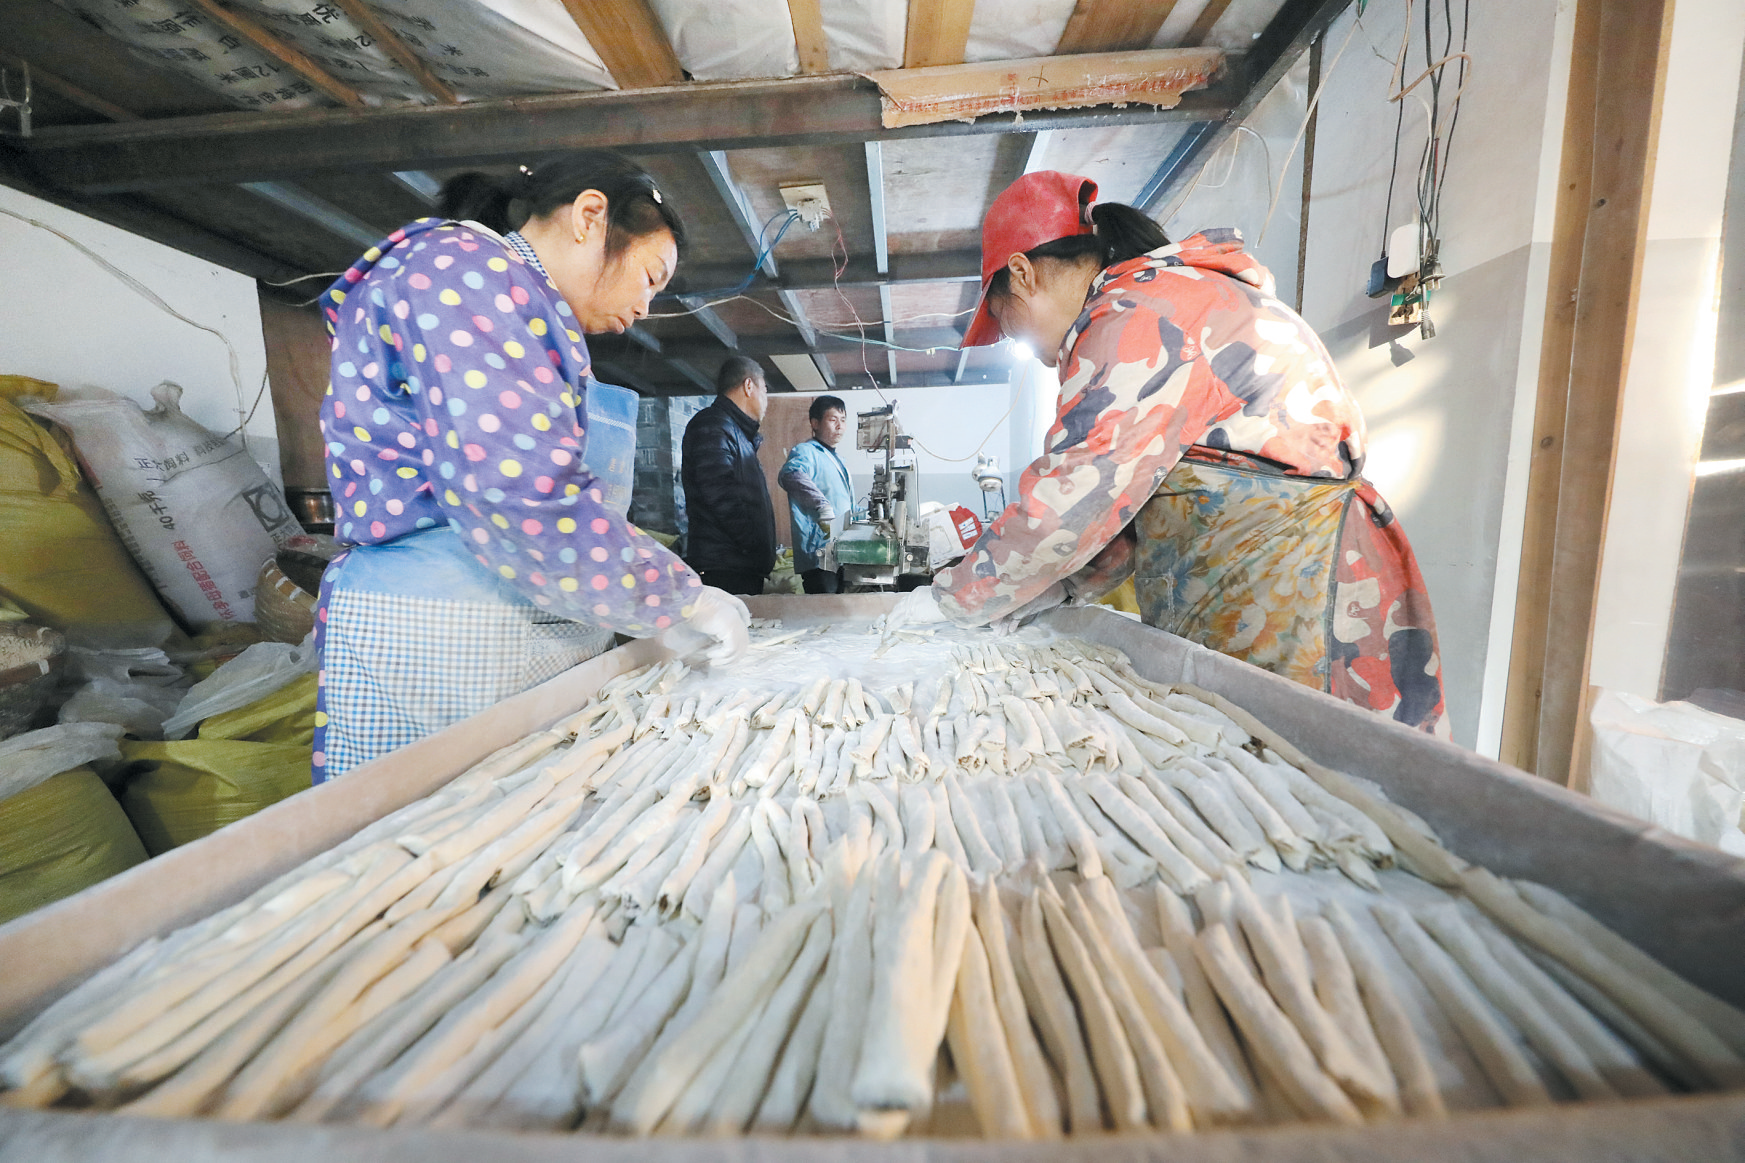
x=457, y=396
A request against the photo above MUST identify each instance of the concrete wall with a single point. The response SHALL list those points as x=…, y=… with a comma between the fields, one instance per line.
x=73, y=322
x=1449, y=417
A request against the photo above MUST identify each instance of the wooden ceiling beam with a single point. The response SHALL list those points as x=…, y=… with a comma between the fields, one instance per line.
x=809, y=39
x=248, y=147
x=62, y=87
x=365, y=17
x=938, y=31
x=1113, y=25
x=630, y=40
x=291, y=58
x=944, y=266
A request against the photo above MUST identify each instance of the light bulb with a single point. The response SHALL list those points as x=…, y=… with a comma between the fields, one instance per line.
x=1022, y=350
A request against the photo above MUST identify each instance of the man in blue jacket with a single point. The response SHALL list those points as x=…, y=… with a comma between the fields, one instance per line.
x=820, y=494
x=732, y=537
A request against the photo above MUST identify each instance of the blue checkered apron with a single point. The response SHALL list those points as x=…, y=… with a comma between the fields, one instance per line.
x=415, y=635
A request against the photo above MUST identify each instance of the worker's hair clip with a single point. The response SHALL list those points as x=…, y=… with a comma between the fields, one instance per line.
x=654, y=192
x=526, y=177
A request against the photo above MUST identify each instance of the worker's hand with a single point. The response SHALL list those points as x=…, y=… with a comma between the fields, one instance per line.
x=716, y=634
x=1051, y=597
x=918, y=607
x=826, y=514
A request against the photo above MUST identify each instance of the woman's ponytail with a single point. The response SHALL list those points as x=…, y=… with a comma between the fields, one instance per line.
x=1122, y=233
x=1125, y=233
x=477, y=197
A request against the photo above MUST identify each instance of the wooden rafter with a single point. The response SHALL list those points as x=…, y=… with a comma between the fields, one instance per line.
x=290, y=57
x=365, y=17
x=1202, y=25
x=630, y=40
x=1113, y=25
x=1611, y=128
x=65, y=88
x=809, y=39
x=937, y=33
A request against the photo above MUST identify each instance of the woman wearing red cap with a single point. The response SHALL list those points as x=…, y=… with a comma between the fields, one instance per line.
x=1204, y=445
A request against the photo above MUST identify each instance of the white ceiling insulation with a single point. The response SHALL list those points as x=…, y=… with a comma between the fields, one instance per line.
x=730, y=39
x=501, y=48
x=480, y=48
x=1017, y=29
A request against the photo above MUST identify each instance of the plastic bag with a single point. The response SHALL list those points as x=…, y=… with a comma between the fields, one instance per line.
x=28, y=759
x=60, y=836
x=1672, y=764
x=611, y=450
x=255, y=673
x=194, y=508
x=137, y=689
x=62, y=564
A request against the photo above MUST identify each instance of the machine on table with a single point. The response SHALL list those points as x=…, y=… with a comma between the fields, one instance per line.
x=888, y=549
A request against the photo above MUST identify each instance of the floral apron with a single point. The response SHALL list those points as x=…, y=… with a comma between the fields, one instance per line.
x=1307, y=577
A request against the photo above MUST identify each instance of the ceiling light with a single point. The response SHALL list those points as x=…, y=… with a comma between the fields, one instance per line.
x=1022, y=350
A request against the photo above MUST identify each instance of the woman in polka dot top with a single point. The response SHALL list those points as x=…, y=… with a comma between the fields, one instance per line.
x=486, y=559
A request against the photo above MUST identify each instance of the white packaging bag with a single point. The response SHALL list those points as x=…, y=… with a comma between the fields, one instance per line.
x=1673, y=764
x=254, y=674
x=28, y=759
x=193, y=507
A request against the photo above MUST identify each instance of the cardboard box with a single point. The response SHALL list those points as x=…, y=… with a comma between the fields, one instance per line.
x=1682, y=902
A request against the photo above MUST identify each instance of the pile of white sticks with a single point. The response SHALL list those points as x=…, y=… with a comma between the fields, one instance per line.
x=1023, y=893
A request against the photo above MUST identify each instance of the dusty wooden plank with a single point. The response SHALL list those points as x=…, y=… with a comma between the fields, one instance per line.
x=937, y=32
x=1113, y=25
x=630, y=40
x=291, y=58
x=1202, y=25
x=65, y=88
x=944, y=93
x=1611, y=129
x=809, y=39
x=365, y=17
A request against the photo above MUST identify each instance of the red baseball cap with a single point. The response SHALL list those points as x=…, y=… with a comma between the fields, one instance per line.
x=1035, y=209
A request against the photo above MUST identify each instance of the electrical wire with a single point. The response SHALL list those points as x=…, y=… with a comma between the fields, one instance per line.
x=303, y=279
x=1016, y=392
x=720, y=293
x=1308, y=115
x=157, y=301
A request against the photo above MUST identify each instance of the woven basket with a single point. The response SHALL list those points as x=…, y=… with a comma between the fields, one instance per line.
x=284, y=611
x=30, y=656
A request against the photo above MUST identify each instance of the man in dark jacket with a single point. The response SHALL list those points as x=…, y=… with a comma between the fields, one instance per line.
x=732, y=539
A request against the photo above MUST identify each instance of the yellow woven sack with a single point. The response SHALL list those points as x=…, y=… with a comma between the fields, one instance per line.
x=1122, y=598
x=60, y=559
x=285, y=716
x=180, y=791
x=61, y=836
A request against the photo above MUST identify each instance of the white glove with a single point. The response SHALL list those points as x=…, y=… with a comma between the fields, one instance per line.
x=915, y=608
x=1049, y=598
x=826, y=514
x=716, y=634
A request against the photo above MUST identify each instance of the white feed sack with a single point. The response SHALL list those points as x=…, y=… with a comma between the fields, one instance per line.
x=193, y=507
x=1673, y=764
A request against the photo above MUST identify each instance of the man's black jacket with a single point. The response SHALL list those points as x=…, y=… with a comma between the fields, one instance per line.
x=732, y=526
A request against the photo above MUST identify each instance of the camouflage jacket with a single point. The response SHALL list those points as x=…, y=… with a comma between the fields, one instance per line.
x=1183, y=346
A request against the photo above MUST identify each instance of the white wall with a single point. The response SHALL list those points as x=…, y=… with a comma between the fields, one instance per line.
x=1672, y=357
x=70, y=321
x=949, y=422
x=1449, y=418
